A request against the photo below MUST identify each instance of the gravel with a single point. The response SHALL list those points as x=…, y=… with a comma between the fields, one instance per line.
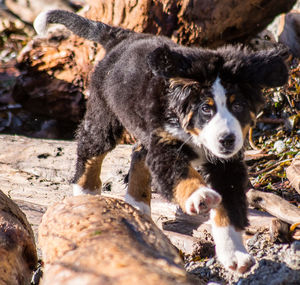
x=276, y=264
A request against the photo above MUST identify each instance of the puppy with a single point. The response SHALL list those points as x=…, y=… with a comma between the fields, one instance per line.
x=188, y=108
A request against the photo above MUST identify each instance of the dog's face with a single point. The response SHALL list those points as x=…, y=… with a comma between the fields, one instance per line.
x=220, y=122
x=215, y=98
x=214, y=115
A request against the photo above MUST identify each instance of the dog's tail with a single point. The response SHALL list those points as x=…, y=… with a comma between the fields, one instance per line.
x=95, y=31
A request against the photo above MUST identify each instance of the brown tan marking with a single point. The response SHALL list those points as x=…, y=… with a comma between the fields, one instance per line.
x=90, y=179
x=245, y=130
x=186, y=119
x=183, y=82
x=221, y=218
x=210, y=101
x=232, y=98
x=194, y=131
x=166, y=137
x=253, y=118
x=185, y=187
x=139, y=186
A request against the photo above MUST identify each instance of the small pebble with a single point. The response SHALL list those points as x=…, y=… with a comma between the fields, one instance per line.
x=251, y=242
x=210, y=262
x=295, y=246
x=279, y=146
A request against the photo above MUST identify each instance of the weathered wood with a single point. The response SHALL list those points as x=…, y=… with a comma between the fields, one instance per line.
x=27, y=10
x=293, y=174
x=280, y=231
x=289, y=31
x=274, y=205
x=18, y=256
x=100, y=240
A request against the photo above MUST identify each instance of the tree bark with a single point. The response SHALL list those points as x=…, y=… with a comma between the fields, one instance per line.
x=98, y=240
x=18, y=257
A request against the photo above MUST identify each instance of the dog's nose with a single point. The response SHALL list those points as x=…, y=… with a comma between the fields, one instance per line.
x=227, y=140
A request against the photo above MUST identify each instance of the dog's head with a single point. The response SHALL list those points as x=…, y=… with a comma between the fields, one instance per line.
x=215, y=95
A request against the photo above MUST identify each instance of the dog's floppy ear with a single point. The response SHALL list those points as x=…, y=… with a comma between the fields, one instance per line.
x=266, y=68
x=167, y=63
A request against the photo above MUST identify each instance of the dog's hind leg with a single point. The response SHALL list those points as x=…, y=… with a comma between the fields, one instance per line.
x=98, y=134
x=139, y=181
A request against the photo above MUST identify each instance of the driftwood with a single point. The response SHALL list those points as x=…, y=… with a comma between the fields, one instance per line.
x=274, y=205
x=293, y=174
x=280, y=231
x=18, y=257
x=100, y=240
x=289, y=29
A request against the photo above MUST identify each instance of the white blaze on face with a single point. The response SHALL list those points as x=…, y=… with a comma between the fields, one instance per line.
x=223, y=122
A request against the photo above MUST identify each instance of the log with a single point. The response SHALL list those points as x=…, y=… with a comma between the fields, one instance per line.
x=274, y=205
x=289, y=31
x=18, y=257
x=293, y=174
x=27, y=10
x=101, y=240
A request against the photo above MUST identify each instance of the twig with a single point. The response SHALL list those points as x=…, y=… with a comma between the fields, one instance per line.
x=252, y=144
x=270, y=167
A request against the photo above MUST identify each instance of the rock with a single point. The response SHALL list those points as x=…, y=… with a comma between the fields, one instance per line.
x=17, y=247
x=295, y=246
x=279, y=146
x=293, y=174
x=210, y=262
x=98, y=240
x=292, y=256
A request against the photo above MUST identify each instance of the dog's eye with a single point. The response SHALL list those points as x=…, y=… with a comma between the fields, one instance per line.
x=237, y=107
x=206, y=109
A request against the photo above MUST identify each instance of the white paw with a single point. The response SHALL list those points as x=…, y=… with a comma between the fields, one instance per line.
x=78, y=190
x=141, y=206
x=230, y=249
x=202, y=200
x=238, y=261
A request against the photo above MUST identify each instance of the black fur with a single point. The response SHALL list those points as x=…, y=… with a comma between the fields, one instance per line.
x=230, y=179
x=130, y=88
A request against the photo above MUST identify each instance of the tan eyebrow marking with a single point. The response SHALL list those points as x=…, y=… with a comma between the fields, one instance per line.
x=183, y=82
x=232, y=98
x=210, y=101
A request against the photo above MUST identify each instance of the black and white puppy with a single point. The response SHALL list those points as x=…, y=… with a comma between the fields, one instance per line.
x=189, y=108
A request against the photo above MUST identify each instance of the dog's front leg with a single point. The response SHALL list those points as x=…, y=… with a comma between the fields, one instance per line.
x=173, y=175
x=193, y=196
x=230, y=249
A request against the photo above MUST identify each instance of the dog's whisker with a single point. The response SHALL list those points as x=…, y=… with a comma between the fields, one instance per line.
x=185, y=142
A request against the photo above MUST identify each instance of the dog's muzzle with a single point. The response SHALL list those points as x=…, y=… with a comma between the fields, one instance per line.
x=227, y=143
